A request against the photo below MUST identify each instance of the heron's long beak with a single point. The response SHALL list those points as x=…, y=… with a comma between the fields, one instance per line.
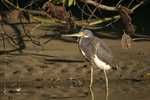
x=75, y=34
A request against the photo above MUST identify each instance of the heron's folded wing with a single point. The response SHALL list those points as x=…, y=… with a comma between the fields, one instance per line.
x=104, y=53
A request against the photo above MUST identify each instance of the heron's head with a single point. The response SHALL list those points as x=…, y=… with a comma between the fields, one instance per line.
x=85, y=33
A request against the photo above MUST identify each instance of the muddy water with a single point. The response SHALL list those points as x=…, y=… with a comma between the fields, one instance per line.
x=69, y=90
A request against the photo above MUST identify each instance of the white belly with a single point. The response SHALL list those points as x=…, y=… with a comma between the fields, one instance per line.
x=96, y=62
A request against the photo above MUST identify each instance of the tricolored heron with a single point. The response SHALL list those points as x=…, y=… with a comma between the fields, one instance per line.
x=95, y=51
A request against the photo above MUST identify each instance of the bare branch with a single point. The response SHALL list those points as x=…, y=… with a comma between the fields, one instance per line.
x=92, y=12
x=115, y=17
x=134, y=39
x=96, y=9
x=100, y=5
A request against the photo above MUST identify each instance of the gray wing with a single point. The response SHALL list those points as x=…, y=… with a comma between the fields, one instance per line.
x=96, y=46
x=104, y=53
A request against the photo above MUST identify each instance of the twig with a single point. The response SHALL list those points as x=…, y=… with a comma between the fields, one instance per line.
x=35, y=27
x=95, y=9
x=92, y=12
x=49, y=30
x=12, y=5
x=14, y=83
x=41, y=20
x=82, y=28
x=42, y=45
x=32, y=2
x=130, y=3
x=100, y=5
x=51, y=38
x=106, y=19
x=82, y=10
x=27, y=34
x=118, y=3
x=115, y=17
x=6, y=5
x=137, y=5
x=36, y=48
x=113, y=25
x=33, y=42
x=134, y=39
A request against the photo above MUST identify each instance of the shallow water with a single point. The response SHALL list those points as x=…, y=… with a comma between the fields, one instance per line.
x=46, y=90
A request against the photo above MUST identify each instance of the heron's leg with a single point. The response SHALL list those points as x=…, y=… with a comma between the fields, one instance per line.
x=91, y=77
x=92, y=94
x=107, y=90
x=91, y=83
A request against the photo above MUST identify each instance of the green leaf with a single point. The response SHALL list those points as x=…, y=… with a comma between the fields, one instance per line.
x=64, y=1
x=70, y=2
x=74, y=1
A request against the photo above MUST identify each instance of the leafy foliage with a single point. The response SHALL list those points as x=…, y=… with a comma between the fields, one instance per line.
x=69, y=2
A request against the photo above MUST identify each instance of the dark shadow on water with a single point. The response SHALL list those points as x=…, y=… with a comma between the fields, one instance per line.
x=24, y=54
x=66, y=97
x=63, y=60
